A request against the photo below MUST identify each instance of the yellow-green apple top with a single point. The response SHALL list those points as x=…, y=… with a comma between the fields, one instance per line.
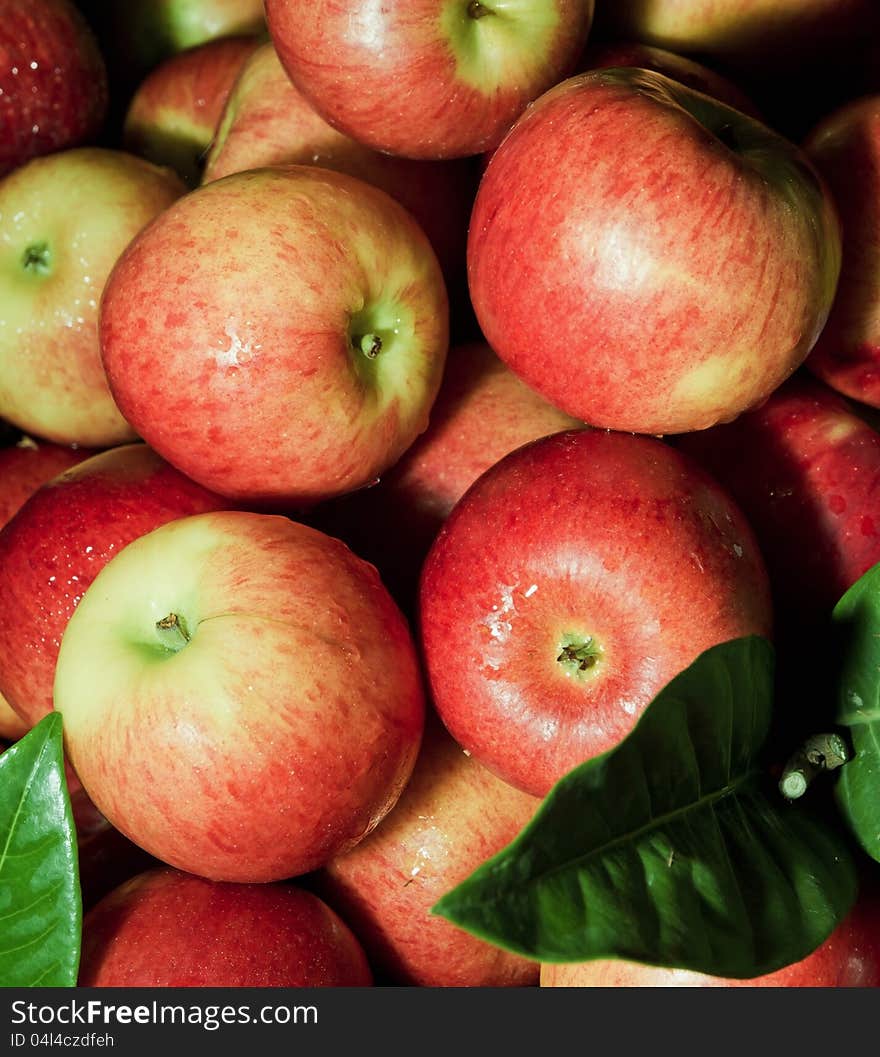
x=64, y=220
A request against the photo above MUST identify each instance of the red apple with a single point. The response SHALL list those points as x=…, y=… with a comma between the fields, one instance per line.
x=850, y=957
x=422, y=79
x=806, y=472
x=167, y=929
x=572, y=582
x=268, y=122
x=53, y=85
x=668, y=261
x=680, y=68
x=260, y=703
x=23, y=468
x=452, y=816
x=482, y=412
x=106, y=858
x=302, y=319
x=12, y=726
x=172, y=117
x=53, y=548
x=845, y=148
x=27, y=465
x=64, y=220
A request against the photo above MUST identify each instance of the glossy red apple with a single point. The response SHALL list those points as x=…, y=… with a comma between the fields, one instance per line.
x=572, y=582
x=427, y=80
x=845, y=148
x=53, y=548
x=452, y=816
x=668, y=261
x=64, y=220
x=302, y=318
x=173, y=114
x=53, y=85
x=27, y=465
x=260, y=703
x=805, y=470
x=268, y=122
x=482, y=412
x=168, y=929
x=850, y=957
x=23, y=468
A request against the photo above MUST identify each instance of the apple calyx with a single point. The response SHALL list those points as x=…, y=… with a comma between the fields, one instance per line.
x=173, y=632
x=821, y=752
x=37, y=258
x=578, y=654
x=369, y=344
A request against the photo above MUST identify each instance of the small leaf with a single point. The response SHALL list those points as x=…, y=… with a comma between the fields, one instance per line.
x=857, y=624
x=40, y=907
x=672, y=849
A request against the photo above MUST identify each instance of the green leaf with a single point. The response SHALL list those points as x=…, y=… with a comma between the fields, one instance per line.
x=856, y=619
x=673, y=849
x=40, y=906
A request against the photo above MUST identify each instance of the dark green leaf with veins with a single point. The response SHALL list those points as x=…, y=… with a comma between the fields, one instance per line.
x=857, y=626
x=40, y=907
x=674, y=848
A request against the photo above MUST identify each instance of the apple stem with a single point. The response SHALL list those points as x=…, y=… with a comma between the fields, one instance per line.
x=173, y=632
x=476, y=10
x=821, y=752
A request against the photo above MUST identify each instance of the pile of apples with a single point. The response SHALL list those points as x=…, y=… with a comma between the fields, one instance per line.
x=397, y=397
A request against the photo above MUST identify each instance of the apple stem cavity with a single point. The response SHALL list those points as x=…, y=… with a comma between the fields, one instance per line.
x=822, y=752
x=37, y=258
x=173, y=632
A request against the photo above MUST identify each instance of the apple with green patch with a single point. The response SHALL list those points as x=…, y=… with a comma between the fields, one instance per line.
x=64, y=220
x=422, y=79
x=260, y=704
x=140, y=34
x=303, y=322
x=679, y=67
x=173, y=114
x=54, y=546
x=668, y=261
